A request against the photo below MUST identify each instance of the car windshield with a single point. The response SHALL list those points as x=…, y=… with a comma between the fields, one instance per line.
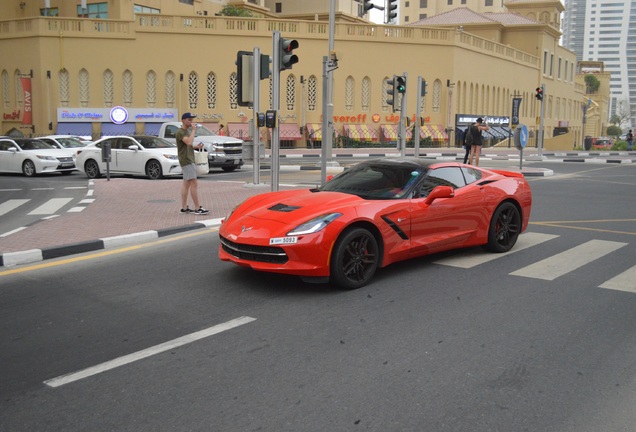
x=376, y=180
x=151, y=142
x=203, y=131
x=70, y=142
x=31, y=144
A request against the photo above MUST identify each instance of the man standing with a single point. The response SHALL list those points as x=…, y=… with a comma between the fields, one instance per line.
x=185, y=148
x=630, y=140
x=475, y=148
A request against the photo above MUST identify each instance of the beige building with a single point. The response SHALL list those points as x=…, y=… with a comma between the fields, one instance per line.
x=167, y=57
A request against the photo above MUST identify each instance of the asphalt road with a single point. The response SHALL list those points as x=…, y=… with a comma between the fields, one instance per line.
x=451, y=342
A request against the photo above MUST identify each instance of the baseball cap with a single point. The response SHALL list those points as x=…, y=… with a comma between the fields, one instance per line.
x=188, y=116
x=479, y=120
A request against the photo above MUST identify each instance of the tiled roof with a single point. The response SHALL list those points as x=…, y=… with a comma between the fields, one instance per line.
x=511, y=18
x=465, y=16
x=456, y=16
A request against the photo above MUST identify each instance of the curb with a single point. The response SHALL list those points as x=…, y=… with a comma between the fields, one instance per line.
x=36, y=255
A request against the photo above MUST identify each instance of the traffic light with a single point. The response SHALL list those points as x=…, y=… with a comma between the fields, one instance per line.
x=286, y=55
x=397, y=86
x=366, y=6
x=424, y=86
x=539, y=94
x=401, y=84
x=391, y=10
x=244, y=80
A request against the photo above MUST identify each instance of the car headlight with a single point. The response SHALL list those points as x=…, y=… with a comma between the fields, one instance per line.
x=171, y=157
x=314, y=225
x=46, y=157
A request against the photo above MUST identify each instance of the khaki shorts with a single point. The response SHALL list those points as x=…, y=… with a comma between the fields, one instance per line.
x=189, y=172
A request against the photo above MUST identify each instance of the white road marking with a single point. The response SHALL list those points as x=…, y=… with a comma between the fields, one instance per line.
x=625, y=281
x=8, y=233
x=557, y=265
x=157, y=349
x=471, y=259
x=12, y=204
x=51, y=206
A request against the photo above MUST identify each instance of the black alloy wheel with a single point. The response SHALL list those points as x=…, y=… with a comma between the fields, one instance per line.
x=505, y=227
x=355, y=258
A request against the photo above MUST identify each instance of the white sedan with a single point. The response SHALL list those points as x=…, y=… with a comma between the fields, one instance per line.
x=133, y=155
x=64, y=141
x=31, y=156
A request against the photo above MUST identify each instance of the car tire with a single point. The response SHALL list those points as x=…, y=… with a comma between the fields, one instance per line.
x=154, y=170
x=354, y=259
x=28, y=168
x=505, y=227
x=91, y=168
x=229, y=169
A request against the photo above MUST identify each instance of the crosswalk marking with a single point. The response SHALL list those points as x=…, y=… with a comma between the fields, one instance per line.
x=470, y=259
x=625, y=281
x=12, y=204
x=569, y=260
x=51, y=206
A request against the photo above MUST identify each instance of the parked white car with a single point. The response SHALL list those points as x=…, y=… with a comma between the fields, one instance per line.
x=143, y=155
x=64, y=141
x=31, y=156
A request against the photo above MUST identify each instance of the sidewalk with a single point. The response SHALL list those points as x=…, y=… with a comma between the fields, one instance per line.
x=127, y=211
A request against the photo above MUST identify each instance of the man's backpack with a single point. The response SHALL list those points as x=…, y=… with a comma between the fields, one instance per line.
x=468, y=136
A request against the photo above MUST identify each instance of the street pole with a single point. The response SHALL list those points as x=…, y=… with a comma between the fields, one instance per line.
x=256, y=59
x=276, y=107
x=327, y=100
x=418, y=114
x=403, y=119
x=540, y=138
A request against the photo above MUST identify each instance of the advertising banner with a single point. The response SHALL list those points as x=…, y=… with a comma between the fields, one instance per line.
x=27, y=117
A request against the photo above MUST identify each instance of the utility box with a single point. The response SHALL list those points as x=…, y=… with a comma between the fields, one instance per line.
x=248, y=151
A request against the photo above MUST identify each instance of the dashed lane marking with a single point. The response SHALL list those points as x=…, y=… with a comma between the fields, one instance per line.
x=139, y=355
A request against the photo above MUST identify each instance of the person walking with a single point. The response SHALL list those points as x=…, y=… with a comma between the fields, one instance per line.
x=185, y=149
x=475, y=148
x=467, y=141
x=630, y=140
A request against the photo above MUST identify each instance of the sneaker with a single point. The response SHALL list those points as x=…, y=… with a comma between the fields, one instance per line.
x=201, y=211
x=186, y=210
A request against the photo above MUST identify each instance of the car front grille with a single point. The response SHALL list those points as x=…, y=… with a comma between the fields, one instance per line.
x=233, y=151
x=267, y=254
x=65, y=163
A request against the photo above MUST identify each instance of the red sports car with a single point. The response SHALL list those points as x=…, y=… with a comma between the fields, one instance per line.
x=373, y=214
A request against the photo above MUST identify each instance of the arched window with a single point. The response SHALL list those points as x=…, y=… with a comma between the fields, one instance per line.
x=170, y=89
x=84, y=88
x=349, y=93
x=312, y=93
x=151, y=88
x=365, y=94
x=193, y=90
x=65, y=88
x=211, y=90
x=128, y=87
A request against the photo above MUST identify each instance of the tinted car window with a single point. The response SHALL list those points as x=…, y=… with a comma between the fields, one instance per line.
x=445, y=176
x=471, y=175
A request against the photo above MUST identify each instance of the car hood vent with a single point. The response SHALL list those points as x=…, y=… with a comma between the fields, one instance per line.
x=283, y=208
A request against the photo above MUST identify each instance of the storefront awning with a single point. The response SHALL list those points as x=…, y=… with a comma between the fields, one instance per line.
x=436, y=132
x=390, y=132
x=239, y=130
x=152, y=129
x=81, y=129
x=287, y=132
x=360, y=132
x=500, y=131
x=314, y=131
x=110, y=129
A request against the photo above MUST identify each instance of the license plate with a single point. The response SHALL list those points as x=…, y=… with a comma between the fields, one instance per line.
x=283, y=240
x=67, y=165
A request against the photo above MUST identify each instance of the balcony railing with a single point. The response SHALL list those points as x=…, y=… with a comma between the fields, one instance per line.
x=253, y=27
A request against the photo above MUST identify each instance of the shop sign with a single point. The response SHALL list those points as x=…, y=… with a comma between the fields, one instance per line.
x=99, y=115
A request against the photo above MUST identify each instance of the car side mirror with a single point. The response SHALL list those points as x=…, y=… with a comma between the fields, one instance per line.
x=134, y=147
x=439, y=192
